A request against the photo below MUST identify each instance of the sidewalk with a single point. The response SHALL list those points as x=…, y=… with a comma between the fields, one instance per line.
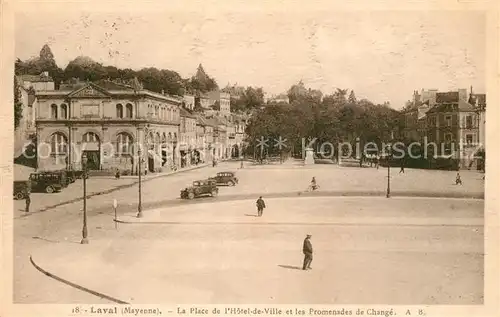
x=95, y=186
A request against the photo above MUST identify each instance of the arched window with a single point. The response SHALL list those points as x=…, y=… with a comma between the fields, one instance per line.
x=129, y=111
x=157, y=111
x=90, y=137
x=58, y=144
x=53, y=111
x=175, y=135
x=119, y=111
x=123, y=143
x=163, y=138
x=64, y=111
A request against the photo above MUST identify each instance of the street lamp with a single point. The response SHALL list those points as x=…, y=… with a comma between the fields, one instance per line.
x=242, y=154
x=388, y=195
x=139, y=206
x=84, y=230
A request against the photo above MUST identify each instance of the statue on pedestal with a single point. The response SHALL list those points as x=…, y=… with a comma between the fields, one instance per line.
x=309, y=159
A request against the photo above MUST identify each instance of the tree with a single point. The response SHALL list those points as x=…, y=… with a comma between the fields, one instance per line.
x=46, y=54
x=201, y=82
x=18, y=106
x=352, y=98
x=296, y=91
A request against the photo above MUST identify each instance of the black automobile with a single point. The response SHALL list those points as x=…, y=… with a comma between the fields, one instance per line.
x=21, y=189
x=200, y=188
x=72, y=176
x=48, y=182
x=225, y=178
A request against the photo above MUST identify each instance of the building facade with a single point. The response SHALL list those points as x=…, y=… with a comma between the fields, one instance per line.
x=224, y=100
x=188, y=147
x=28, y=86
x=453, y=125
x=113, y=124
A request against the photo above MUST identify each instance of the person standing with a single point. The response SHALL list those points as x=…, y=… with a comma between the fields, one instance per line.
x=28, y=200
x=458, y=179
x=260, y=206
x=307, y=249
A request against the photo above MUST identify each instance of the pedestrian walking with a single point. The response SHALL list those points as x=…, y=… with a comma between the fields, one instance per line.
x=307, y=249
x=377, y=161
x=458, y=179
x=28, y=200
x=260, y=206
x=402, y=170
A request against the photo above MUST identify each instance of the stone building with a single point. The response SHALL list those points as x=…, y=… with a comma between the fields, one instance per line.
x=205, y=137
x=112, y=123
x=454, y=126
x=188, y=149
x=224, y=100
x=28, y=86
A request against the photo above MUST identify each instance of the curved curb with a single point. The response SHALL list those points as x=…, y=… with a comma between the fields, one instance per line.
x=173, y=203
x=326, y=224
x=79, y=287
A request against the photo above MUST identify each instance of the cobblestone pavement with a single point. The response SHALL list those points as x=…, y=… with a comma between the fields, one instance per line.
x=206, y=258
x=60, y=228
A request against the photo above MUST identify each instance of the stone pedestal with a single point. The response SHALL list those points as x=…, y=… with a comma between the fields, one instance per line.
x=309, y=157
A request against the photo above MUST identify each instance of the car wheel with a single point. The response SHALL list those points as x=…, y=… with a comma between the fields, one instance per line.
x=191, y=195
x=230, y=183
x=19, y=196
x=49, y=189
x=214, y=193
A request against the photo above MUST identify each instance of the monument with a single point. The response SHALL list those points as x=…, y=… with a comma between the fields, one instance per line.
x=309, y=156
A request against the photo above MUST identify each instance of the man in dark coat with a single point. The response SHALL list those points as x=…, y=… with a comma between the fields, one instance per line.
x=260, y=206
x=308, y=253
x=28, y=200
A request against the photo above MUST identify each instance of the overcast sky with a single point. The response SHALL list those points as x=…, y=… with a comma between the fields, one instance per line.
x=382, y=56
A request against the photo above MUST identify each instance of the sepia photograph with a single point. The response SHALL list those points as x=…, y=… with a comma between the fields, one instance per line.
x=218, y=154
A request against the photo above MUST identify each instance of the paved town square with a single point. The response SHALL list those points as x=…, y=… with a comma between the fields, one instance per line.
x=286, y=154
x=215, y=250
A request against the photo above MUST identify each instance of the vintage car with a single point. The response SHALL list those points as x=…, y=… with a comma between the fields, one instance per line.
x=48, y=182
x=225, y=178
x=72, y=176
x=200, y=188
x=21, y=189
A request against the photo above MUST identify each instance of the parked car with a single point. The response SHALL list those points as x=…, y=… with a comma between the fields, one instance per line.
x=200, y=188
x=225, y=178
x=72, y=176
x=21, y=189
x=48, y=182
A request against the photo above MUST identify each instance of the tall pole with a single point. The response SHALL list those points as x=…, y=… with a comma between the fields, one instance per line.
x=84, y=230
x=388, y=174
x=242, y=153
x=139, y=206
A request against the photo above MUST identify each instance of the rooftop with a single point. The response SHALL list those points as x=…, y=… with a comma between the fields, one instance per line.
x=35, y=78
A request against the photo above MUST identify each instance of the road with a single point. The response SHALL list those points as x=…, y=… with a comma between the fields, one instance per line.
x=366, y=250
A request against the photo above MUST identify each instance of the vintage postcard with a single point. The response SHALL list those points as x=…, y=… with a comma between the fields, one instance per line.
x=225, y=158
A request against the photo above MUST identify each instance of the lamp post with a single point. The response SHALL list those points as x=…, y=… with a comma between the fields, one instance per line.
x=242, y=154
x=388, y=195
x=139, y=206
x=84, y=230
